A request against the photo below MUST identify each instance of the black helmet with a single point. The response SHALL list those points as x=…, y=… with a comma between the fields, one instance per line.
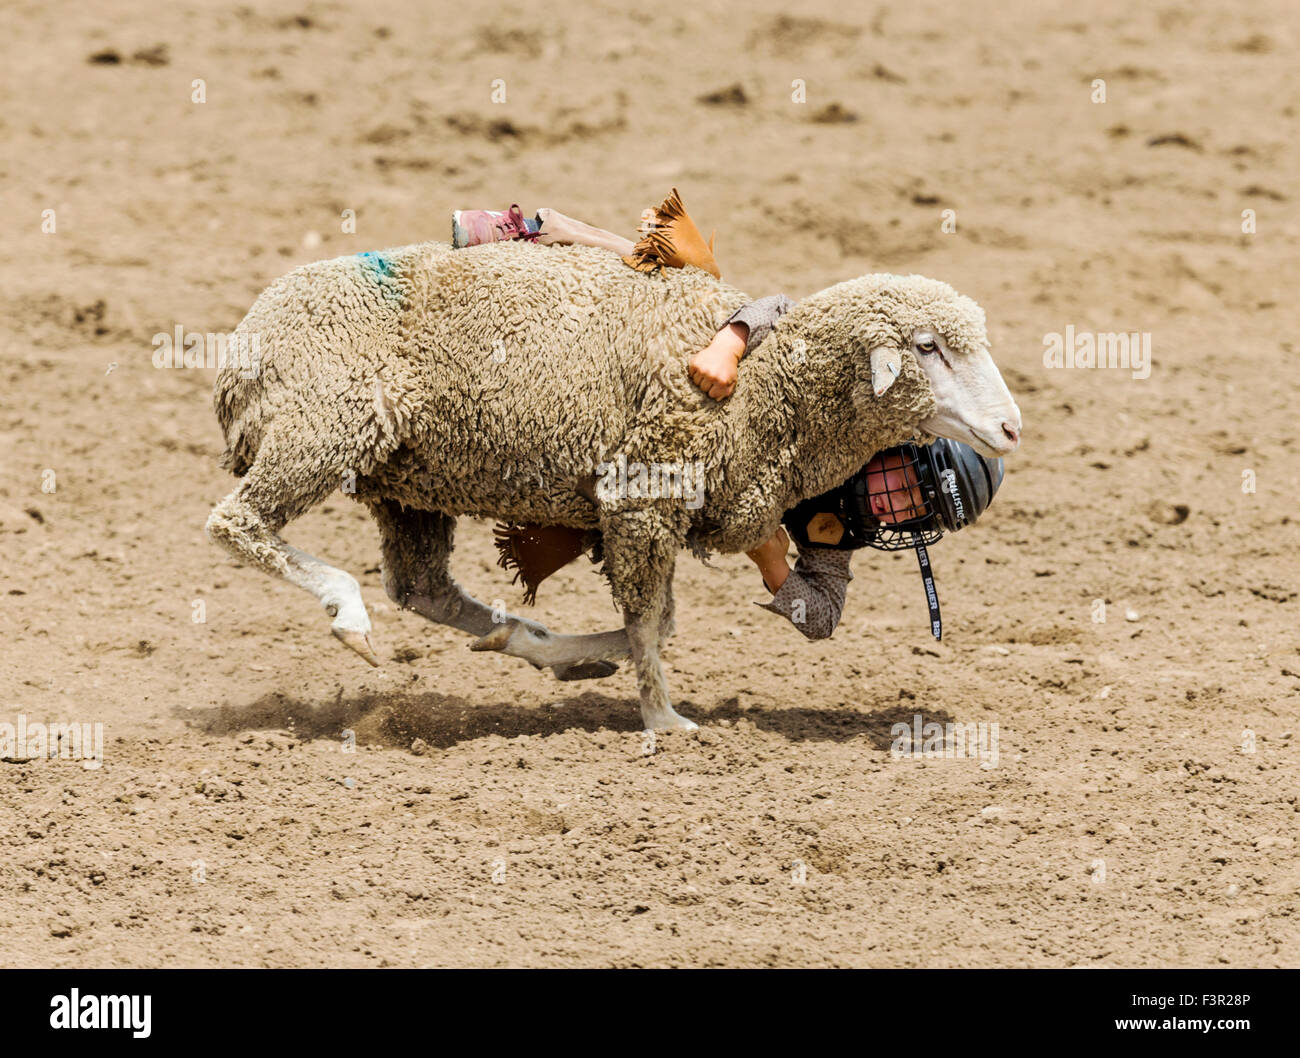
x=946, y=486
x=956, y=484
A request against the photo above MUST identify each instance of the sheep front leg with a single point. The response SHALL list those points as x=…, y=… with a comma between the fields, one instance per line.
x=657, y=711
x=640, y=552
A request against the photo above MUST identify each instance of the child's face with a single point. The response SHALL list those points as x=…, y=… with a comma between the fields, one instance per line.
x=893, y=489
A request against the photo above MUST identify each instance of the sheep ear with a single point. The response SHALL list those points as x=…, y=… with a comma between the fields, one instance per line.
x=886, y=365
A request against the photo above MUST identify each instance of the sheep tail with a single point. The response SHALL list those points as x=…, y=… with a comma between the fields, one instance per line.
x=670, y=239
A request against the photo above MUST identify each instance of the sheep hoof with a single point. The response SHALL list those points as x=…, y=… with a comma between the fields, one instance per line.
x=671, y=721
x=496, y=639
x=585, y=670
x=358, y=641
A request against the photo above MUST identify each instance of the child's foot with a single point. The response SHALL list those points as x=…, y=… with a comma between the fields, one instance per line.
x=473, y=227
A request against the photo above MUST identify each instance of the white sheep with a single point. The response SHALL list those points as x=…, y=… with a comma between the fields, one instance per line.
x=495, y=381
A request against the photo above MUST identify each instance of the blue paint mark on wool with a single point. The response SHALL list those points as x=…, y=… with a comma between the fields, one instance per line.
x=378, y=262
x=379, y=269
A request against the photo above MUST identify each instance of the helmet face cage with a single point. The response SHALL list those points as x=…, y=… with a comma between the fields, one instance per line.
x=911, y=487
x=943, y=486
x=930, y=490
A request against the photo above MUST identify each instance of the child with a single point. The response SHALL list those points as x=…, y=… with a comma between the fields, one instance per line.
x=895, y=496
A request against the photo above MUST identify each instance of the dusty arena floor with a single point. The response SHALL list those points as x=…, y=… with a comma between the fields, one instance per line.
x=1142, y=809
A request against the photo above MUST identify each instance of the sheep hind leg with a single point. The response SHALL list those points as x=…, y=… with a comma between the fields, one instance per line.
x=572, y=656
x=417, y=576
x=247, y=523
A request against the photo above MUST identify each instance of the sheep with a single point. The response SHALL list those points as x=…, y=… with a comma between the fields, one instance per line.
x=495, y=382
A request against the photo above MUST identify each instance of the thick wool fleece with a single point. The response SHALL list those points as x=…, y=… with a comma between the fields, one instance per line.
x=495, y=380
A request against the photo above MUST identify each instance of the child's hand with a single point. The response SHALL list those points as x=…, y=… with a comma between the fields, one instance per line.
x=714, y=368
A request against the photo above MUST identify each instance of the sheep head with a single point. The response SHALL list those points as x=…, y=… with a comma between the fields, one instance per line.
x=901, y=318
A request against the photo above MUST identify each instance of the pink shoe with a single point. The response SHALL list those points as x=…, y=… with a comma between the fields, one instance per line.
x=473, y=227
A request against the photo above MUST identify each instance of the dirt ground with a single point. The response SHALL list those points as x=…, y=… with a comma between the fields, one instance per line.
x=1143, y=807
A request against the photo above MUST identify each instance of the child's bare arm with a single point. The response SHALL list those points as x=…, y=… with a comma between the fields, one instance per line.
x=770, y=559
x=715, y=368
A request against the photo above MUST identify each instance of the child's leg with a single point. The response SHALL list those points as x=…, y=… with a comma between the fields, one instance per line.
x=669, y=238
x=557, y=229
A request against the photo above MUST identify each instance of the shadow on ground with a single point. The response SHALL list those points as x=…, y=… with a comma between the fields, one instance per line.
x=820, y=724
x=445, y=720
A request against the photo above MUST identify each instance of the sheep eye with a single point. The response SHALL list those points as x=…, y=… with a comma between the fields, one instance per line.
x=927, y=346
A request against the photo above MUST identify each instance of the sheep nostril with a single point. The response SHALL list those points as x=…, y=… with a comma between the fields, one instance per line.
x=1013, y=435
